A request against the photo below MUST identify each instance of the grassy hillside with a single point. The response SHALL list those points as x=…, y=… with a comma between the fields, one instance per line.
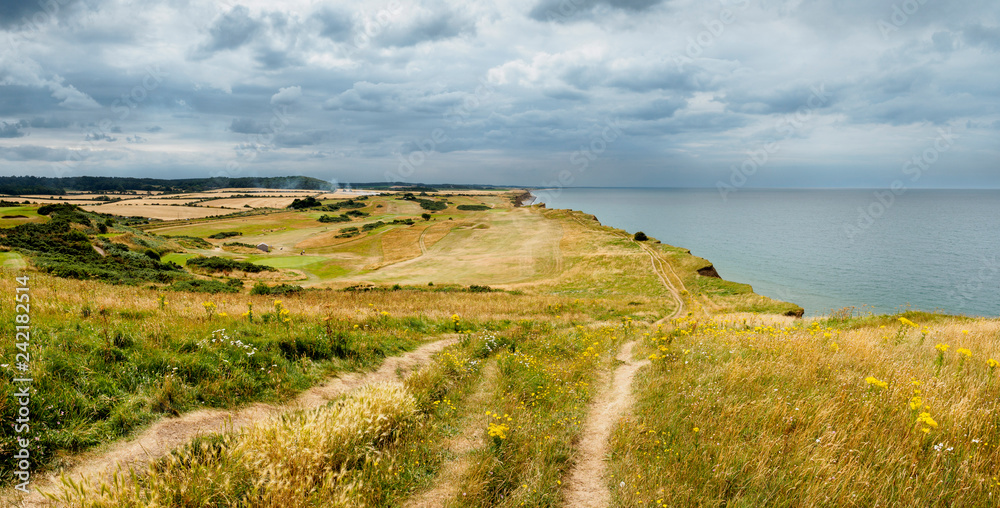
x=575, y=363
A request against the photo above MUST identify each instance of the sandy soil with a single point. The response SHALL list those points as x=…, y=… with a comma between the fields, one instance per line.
x=587, y=483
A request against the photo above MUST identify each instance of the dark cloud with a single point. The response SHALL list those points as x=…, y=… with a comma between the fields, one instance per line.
x=789, y=100
x=334, y=24
x=427, y=27
x=983, y=36
x=49, y=123
x=302, y=138
x=655, y=109
x=246, y=126
x=13, y=130
x=44, y=153
x=301, y=86
x=232, y=30
x=563, y=11
x=30, y=15
x=99, y=136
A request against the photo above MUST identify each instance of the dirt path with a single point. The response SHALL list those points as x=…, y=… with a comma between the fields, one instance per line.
x=470, y=438
x=168, y=434
x=660, y=268
x=420, y=241
x=586, y=486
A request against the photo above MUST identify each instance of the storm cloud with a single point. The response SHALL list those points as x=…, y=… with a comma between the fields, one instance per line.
x=501, y=92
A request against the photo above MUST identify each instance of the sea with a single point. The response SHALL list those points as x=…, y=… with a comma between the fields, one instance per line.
x=874, y=250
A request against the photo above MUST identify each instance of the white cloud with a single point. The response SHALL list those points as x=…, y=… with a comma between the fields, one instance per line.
x=286, y=96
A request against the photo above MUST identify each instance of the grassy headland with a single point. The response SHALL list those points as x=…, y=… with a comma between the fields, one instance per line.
x=740, y=404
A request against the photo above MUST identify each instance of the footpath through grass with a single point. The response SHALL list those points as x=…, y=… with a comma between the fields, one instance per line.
x=101, y=372
x=371, y=447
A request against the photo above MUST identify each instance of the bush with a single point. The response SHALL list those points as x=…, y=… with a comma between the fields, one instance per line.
x=429, y=204
x=220, y=264
x=641, y=237
x=225, y=234
x=474, y=208
x=335, y=218
x=152, y=254
x=425, y=216
x=308, y=202
x=281, y=289
x=350, y=203
x=201, y=286
x=239, y=244
x=373, y=225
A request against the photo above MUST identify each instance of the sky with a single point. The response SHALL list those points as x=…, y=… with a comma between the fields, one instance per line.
x=641, y=93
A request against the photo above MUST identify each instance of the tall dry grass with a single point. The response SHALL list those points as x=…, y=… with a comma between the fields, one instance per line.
x=869, y=412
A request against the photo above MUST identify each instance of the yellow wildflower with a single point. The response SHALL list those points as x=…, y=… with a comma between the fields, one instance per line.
x=963, y=351
x=498, y=431
x=926, y=419
x=876, y=382
x=907, y=322
x=942, y=347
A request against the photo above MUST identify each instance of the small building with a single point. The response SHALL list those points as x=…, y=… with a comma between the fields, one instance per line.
x=264, y=247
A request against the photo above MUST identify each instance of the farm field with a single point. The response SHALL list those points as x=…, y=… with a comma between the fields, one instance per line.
x=488, y=355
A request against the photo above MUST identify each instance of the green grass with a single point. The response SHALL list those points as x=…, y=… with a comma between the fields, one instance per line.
x=101, y=373
x=537, y=412
x=177, y=257
x=31, y=212
x=386, y=441
x=12, y=261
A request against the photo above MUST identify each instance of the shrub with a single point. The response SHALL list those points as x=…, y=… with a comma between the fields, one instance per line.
x=308, y=202
x=475, y=208
x=225, y=234
x=201, y=286
x=335, y=218
x=373, y=225
x=220, y=264
x=282, y=289
x=429, y=204
x=641, y=237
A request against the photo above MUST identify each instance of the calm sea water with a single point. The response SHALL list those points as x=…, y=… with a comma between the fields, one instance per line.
x=936, y=250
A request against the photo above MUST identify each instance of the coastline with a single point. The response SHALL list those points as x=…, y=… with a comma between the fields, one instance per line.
x=704, y=269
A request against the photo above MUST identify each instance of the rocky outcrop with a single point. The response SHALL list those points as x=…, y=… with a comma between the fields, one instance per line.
x=709, y=271
x=796, y=313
